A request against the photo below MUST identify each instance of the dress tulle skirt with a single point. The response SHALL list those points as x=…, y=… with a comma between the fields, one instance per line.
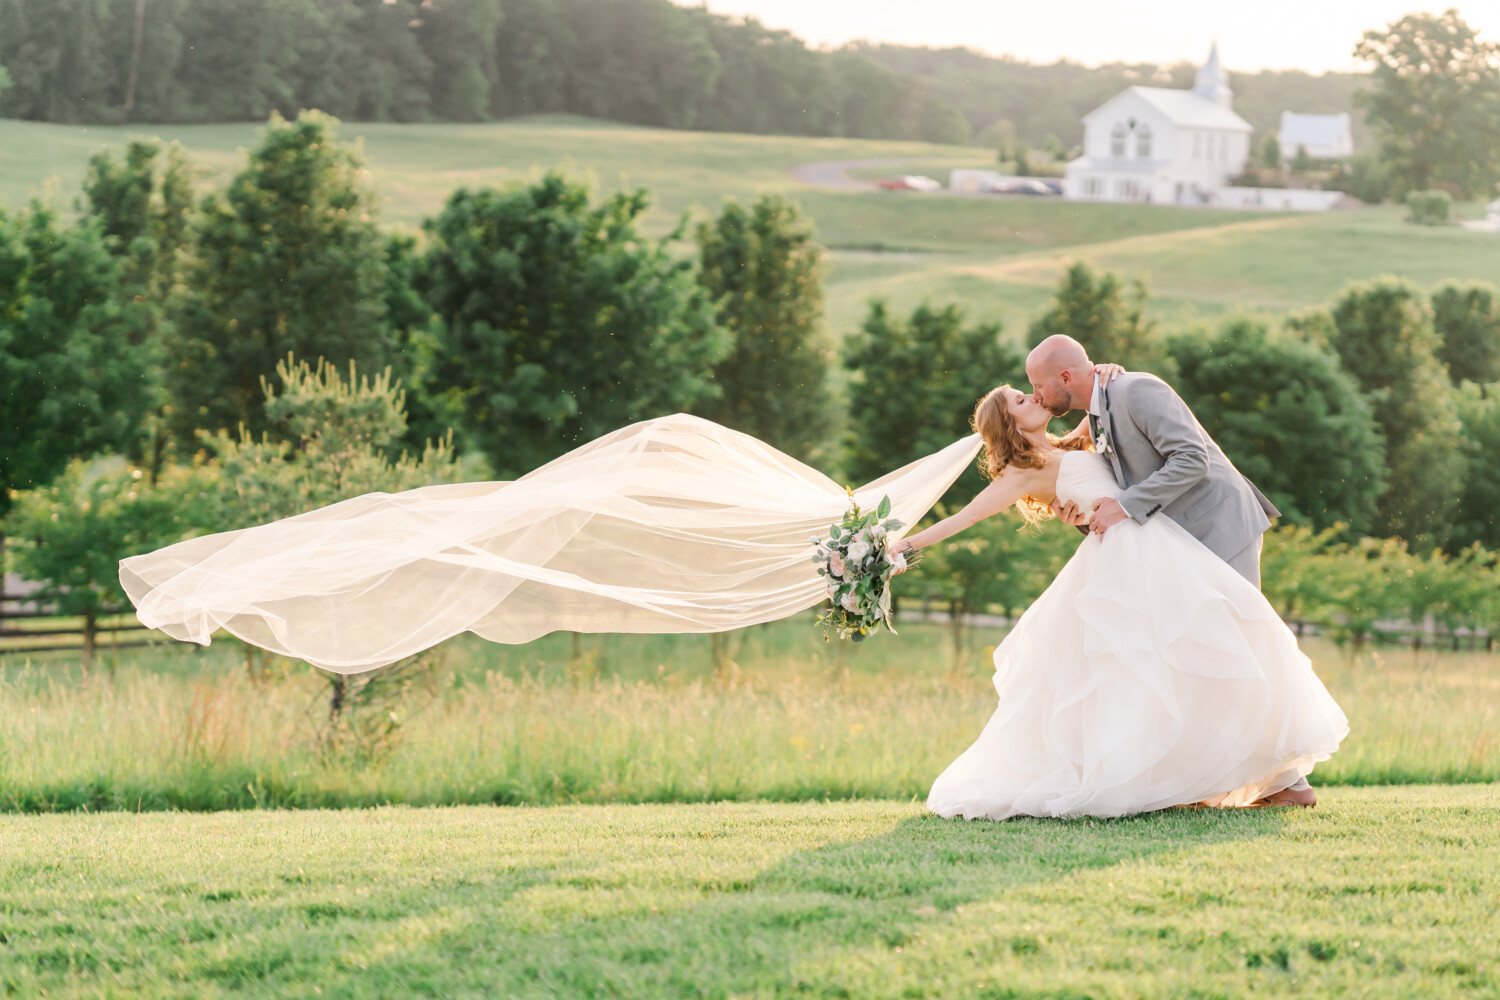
x=1148, y=675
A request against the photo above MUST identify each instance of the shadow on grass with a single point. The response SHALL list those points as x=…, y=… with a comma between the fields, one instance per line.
x=747, y=936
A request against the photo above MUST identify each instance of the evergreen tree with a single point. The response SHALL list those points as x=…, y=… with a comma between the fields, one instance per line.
x=288, y=259
x=1106, y=316
x=559, y=321
x=763, y=269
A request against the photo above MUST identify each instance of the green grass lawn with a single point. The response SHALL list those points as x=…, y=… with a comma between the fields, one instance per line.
x=1379, y=892
x=1277, y=263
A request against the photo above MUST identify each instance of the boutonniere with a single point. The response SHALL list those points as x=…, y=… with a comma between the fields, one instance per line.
x=1102, y=444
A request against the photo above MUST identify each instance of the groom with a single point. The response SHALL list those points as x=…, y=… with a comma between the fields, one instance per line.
x=1165, y=463
x=1163, y=459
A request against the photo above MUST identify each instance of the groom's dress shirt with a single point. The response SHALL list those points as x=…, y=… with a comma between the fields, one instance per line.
x=1096, y=412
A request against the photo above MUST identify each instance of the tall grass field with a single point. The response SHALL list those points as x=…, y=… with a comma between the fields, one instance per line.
x=623, y=719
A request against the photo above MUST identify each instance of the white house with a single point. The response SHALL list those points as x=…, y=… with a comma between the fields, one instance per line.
x=1163, y=146
x=1325, y=137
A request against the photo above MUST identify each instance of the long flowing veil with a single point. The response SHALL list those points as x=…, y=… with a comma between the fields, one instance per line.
x=670, y=525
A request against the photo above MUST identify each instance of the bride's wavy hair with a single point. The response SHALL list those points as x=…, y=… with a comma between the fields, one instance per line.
x=1005, y=445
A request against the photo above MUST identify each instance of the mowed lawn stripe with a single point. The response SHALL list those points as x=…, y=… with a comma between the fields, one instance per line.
x=1378, y=892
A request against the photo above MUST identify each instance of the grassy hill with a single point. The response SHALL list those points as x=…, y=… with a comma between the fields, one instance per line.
x=998, y=257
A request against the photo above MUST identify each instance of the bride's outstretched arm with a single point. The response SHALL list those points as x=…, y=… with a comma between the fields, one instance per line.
x=1002, y=492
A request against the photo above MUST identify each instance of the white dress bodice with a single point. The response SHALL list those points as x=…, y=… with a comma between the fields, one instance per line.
x=1083, y=477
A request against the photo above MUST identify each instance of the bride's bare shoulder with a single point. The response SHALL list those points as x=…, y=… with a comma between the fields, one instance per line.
x=1024, y=477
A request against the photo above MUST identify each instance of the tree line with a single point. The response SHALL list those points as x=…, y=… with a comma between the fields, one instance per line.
x=1429, y=104
x=259, y=349
x=647, y=62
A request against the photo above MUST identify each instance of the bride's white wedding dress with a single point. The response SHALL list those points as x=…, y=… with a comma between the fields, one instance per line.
x=1148, y=675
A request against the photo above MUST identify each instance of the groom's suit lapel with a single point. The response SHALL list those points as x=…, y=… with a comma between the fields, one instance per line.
x=1114, y=442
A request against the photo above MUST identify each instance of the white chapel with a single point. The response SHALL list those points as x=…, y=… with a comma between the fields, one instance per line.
x=1152, y=144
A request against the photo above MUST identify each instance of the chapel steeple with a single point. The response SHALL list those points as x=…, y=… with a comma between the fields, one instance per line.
x=1213, y=80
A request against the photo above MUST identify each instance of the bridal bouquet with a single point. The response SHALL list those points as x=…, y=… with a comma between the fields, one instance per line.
x=857, y=568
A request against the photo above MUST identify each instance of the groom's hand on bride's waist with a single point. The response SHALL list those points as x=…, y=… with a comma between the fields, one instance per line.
x=1107, y=514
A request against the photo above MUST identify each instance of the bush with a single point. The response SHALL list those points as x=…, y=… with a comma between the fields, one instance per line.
x=73, y=532
x=1366, y=178
x=1430, y=208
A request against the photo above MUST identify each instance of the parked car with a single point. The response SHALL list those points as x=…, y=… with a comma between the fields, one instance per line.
x=1028, y=185
x=909, y=182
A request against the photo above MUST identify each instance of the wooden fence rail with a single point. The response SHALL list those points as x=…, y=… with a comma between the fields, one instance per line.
x=30, y=609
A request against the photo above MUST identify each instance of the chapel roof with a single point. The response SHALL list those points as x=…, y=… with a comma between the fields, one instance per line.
x=1183, y=107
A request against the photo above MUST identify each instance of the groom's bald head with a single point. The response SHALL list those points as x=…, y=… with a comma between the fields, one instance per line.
x=1061, y=374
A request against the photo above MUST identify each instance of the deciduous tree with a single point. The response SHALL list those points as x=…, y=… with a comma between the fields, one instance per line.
x=1433, y=100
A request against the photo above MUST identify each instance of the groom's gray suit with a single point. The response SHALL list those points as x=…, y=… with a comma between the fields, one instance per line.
x=1167, y=464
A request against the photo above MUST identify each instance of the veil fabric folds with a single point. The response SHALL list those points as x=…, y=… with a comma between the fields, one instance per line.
x=675, y=524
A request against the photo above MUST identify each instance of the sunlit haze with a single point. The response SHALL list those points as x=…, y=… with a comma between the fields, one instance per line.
x=1315, y=36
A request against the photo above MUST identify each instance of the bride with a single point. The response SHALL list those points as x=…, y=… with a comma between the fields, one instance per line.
x=1149, y=674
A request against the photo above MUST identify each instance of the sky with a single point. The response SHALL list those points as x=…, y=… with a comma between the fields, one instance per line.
x=1312, y=35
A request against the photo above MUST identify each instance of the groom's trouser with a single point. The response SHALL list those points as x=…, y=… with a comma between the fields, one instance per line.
x=1247, y=562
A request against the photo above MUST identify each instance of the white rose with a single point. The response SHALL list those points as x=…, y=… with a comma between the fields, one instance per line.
x=850, y=602
x=859, y=552
x=836, y=564
x=877, y=533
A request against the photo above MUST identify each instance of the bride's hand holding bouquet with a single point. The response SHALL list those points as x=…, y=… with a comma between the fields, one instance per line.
x=857, y=561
